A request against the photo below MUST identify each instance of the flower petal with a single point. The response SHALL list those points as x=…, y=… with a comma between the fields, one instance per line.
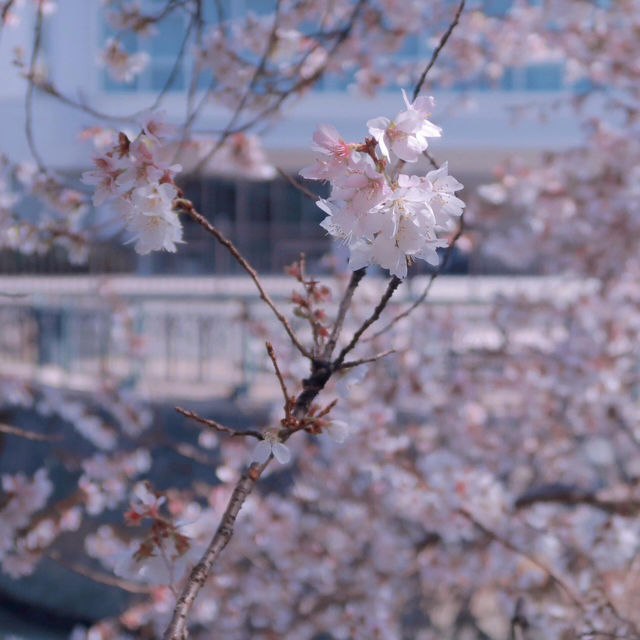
x=281, y=453
x=338, y=431
x=261, y=452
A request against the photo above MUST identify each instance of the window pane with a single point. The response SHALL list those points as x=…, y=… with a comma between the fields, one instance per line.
x=544, y=77
x=160, y=73
x=167, y=41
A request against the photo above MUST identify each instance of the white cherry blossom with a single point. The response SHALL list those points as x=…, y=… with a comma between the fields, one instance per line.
x=150, y=218
x=270, y=445
x=384, y=220
x=407, y=135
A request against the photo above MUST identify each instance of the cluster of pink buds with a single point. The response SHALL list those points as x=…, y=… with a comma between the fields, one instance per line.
x=138, y=176
x=384, y=216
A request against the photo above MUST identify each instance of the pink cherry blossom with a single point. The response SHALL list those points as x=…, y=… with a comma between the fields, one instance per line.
x=337, y=154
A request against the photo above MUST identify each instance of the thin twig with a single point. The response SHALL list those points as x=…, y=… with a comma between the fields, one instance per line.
x=345, y=303
x=519, y=622
x=436, y=52
x=193, y=453
x=195, y=66
x=327, y=409
x=570, y=495
x=29, y=435
x=187, y=206
x=423, y=296
x=4, y=13
x=357, y=363
x=257, y=73
x=217, y=426
x=54, y=92
x=431, y=159
x=297, y=185
x=37, y=40
x=98, y=576
x=560, y=582
x=302, y=279
x=173, y=74
x=283, y=386
x=394, y=283
x=301, y=84
x=177, y=629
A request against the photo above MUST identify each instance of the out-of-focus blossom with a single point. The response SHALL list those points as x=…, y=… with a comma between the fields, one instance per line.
x=121, y=65
x=270, y=445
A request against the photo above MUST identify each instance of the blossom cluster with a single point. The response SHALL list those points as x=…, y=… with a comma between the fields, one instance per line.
x=384, y=216
x=138, y=176
x=239, y=155
x=25, y=496
x=60, y=218
x=121, y=65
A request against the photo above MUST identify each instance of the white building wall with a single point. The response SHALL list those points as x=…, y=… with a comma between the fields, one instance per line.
x=476, y=136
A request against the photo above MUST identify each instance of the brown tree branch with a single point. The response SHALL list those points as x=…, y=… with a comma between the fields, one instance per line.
x=519, y=623
x=175, y=69
x=394, y=283
x=505, y=542
x=177, y=629
x=571, y=495
x=423, y=296
x=345, y=303
x=187, y=206
x=297, y=185
x=29, y=435
x=321, y=371
x=436, y=52
x=283, y=386
x=431, y=159
x=217, y=426
x=357, y=363
x=99, y=576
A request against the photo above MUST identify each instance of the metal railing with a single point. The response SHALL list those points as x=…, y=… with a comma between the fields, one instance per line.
x=189, y=337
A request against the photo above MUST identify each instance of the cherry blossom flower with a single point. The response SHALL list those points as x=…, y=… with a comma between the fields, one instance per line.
x=150, y=217
x=138, y=177
x=270, y=445
x=155, y=125
x=122, y=66
x=145, y=501
x=386, y=221
x=335, y=151
x=407, y=135
x=337, y=430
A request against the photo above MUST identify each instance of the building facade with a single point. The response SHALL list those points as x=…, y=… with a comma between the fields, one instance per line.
x=268, y=218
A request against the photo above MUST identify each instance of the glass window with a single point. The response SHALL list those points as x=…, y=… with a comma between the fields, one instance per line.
x=496, y=7
x=260, y=6
x=544, y=77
